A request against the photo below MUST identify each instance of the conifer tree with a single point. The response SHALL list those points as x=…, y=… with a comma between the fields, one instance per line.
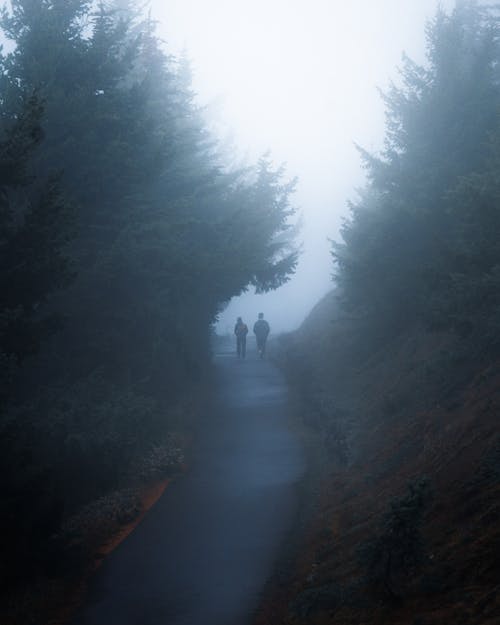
x=439, y=122
x=34, y=233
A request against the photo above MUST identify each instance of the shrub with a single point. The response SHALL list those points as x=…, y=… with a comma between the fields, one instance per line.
x=397, y=552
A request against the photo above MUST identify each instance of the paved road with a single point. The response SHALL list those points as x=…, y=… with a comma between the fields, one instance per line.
x=205, y=551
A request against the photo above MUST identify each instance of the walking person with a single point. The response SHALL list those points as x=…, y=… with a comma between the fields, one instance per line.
x=241, y=331
x=261, y=330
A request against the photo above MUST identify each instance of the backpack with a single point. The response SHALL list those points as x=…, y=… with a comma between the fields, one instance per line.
x=242, y=329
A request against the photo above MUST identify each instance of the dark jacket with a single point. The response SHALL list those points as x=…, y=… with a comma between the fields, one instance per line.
x=261, y=329
x=241, y=330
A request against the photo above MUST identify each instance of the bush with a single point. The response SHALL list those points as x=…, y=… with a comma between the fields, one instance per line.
x=397, y=552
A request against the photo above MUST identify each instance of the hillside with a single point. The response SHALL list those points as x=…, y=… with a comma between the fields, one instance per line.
x=405, y=529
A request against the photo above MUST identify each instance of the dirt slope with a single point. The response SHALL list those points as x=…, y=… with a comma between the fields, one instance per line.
x=406, y=528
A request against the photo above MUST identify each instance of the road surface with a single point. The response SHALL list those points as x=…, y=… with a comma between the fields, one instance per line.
x=204, y=552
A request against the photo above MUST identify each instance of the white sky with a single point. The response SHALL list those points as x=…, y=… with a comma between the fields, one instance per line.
x=298, y=77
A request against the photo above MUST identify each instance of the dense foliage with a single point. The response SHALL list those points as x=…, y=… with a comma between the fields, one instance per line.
x=422, y=239
x=123, y=229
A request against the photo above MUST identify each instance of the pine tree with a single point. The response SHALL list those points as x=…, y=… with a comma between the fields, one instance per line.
x=438, y=124
x=35, y=229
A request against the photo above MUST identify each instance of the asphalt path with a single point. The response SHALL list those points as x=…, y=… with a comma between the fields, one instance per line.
x=205, y=551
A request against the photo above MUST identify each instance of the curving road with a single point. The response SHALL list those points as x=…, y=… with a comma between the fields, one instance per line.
x=204, y=552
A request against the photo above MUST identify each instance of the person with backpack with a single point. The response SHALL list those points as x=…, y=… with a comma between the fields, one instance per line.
x=261, y=330
x=241, y=331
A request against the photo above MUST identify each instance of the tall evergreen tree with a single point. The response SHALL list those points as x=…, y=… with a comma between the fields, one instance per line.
x=34, y=233
x=438, y=125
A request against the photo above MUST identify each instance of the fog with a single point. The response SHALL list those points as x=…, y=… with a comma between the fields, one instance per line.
x=300, y=79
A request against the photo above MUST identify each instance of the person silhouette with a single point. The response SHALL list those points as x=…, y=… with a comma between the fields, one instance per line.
x=241, y=331
x=261, y=330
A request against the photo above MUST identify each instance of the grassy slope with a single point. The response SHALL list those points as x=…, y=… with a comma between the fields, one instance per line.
x=387, y=414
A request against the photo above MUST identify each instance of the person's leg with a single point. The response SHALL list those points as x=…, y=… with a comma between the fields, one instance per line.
x=244, y=347
x=238, y=347
x=259, y=347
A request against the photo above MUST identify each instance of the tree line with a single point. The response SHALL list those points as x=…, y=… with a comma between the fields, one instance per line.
x=421, y=244
x=123, y=231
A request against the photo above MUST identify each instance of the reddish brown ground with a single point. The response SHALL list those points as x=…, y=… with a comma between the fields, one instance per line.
x=461, y=529
x=456, y=445
x=148, y=499
x=62, y=610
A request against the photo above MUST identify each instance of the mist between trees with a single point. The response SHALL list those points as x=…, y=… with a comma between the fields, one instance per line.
x=121, y=238
x=124, y=232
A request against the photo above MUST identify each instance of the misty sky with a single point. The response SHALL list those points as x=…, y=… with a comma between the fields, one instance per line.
x=298, y=77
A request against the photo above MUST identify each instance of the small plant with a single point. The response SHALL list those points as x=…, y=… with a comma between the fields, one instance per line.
x=397, y=552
